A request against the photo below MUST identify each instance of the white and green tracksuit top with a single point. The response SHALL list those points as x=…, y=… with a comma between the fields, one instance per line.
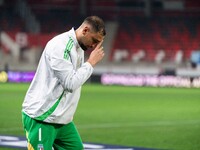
x=55, y=90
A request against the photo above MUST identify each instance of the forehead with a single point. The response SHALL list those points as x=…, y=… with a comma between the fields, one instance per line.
x=97, y=36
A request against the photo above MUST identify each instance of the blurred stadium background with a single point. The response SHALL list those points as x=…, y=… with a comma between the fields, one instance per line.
x=154, y=43
x=144, y=36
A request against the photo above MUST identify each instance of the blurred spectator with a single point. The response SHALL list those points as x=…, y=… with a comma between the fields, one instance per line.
x=195, y=58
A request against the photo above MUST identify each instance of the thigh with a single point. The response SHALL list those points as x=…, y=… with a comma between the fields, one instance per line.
x=68, y=138
x=39, y=135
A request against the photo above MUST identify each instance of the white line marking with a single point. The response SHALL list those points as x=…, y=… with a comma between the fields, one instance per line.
x=11, y=129
x=139, y=124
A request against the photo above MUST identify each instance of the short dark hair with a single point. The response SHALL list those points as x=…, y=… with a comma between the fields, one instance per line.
x=97, y=24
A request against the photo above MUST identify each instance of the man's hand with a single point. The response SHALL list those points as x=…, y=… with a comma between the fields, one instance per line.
x=96, y=55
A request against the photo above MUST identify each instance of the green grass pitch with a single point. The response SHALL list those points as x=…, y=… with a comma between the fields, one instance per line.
x=163, y=118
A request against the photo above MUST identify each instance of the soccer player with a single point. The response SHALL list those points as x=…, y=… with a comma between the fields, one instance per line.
x=52, y=98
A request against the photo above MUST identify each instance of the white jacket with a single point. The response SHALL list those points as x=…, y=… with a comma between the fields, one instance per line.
x=55, y=90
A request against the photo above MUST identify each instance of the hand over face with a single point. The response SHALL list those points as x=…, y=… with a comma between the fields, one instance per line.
x=96, y=55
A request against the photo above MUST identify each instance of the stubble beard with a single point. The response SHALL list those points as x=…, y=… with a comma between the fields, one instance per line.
x=83, y=47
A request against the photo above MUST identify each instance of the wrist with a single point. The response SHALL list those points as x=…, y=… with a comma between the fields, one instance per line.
x=91, y=63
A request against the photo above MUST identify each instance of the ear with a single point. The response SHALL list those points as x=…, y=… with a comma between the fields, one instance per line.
x=86, y=29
